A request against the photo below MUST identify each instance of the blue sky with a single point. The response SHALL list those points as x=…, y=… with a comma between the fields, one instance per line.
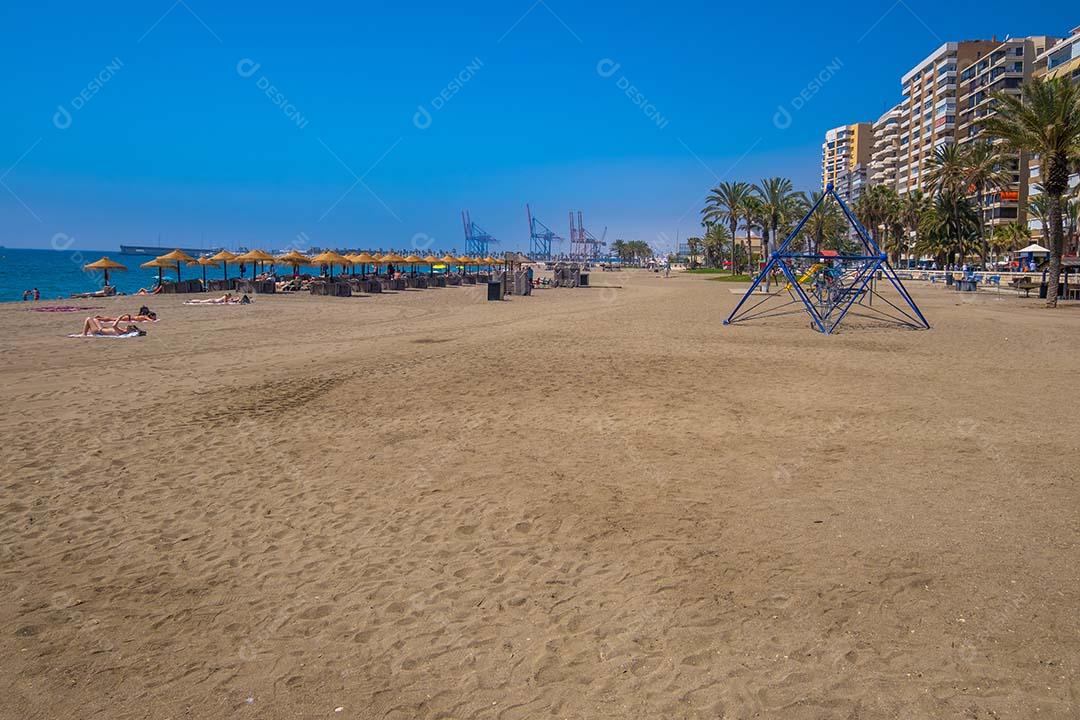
x=256, y=124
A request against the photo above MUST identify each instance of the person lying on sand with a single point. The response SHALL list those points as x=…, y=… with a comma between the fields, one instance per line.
x=155, y=291
x=226, y=299
x=107, y=291
x=93, y=327
x=143, y=316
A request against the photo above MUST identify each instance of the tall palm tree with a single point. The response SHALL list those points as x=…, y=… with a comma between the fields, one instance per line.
x=775, y=197
x=950, y=230
x=946, y=169
x=1038, y=207
x=985, y=170
x=755, y=218
x=1044, y=121
x=619, y=248
x=727, y=203
x=913, y=205
x=878, y=209
x=946, y=173
x=694, y=245
x=1008, y=237
x=826, y=227
x=716, y=238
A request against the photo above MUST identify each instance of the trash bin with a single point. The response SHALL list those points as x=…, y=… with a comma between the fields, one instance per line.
x=948, y=278
x=495, y=291
x=584, y=282
x=1043, y=290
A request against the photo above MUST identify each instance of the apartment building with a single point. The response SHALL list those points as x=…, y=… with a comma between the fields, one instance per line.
x=1058, y=60
x=1004, y=69
x=928, y=110
x=845, y=158
x=886, y=150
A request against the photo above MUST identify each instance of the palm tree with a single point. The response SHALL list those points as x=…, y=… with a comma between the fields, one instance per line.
x=1008, y=237
x=950, y=230
x=984, y=165
x=619, y=248
x=878, y=209
x=716, y=238
x=754, y=218
x=946, y=169
x=727, y=203
x=775, y=197
x=826, y=227
x=694, y=245
x=1038, y=207
x=1044, y=121
x=913, y=205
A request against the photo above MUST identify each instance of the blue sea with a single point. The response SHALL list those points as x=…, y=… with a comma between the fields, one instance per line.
x=56, y=274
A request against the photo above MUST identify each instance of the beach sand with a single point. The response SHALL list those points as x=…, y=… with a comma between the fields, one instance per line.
x=584, y=504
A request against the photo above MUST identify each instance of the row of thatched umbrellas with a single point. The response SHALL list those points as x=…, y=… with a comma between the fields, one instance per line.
x=295, y=259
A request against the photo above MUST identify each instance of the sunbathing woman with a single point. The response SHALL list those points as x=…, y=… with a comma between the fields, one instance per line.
x=93, y=327
x=226, y=299
x=145, y=314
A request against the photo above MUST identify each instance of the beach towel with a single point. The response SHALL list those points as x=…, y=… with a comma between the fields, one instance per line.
x=133, y=333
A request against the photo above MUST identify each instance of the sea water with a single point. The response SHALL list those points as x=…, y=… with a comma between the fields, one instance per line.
x=57, y=274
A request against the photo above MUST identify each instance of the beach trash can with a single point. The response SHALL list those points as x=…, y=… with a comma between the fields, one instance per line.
x=584, y=280
x=495, y=291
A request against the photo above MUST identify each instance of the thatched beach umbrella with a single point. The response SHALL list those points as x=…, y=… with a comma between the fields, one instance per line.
x=160, y=265
x=224, y=257
x=329, y=258
x=431, y=260
x=448, y=260
x=176, y=256
x=104, y=264
x=465, y=260
x=254, y=256
x=393, y=258
x=364, y=259
x=295, y=259
x=205, y=262
x=413, y=259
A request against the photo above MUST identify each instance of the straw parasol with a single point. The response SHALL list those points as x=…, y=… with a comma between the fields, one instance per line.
x=413, y=259
x=294, y=258
x=160, y=265
x=205, y=262
x=330, y=258
x=176, y=256
x=224, y=257
x=104, y=264
x=255, y=256
x=431, y=260
x=392, y=257
x=364, y=259
x=465, y=261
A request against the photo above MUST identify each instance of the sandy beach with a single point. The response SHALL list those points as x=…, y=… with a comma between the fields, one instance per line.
x=584, y=504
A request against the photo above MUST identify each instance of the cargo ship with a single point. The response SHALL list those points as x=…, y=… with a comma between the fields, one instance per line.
x=155, y=250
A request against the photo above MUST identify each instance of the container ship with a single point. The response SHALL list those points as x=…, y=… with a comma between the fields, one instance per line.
x=155, y=250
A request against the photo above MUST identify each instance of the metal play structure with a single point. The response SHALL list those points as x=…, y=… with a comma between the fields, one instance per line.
x=478, y=242
x=829, y=285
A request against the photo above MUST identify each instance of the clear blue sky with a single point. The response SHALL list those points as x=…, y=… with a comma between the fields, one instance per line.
x=175, y=139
